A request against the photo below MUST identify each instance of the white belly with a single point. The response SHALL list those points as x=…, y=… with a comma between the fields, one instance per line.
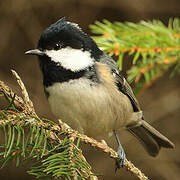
x=89, y=109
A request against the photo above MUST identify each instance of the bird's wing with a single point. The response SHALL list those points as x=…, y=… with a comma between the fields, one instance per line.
x=121, y=82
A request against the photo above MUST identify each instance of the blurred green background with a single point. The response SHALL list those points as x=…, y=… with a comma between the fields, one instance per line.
x=21, y=24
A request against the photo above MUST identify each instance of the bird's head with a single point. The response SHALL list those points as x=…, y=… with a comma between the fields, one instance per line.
x=67, y=45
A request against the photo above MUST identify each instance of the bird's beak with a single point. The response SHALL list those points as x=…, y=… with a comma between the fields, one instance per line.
x=35, y=52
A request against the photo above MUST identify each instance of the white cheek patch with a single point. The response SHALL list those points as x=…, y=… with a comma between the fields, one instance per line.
x=72, y=59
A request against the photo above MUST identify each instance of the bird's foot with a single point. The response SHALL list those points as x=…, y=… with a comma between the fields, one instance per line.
x=121, y=160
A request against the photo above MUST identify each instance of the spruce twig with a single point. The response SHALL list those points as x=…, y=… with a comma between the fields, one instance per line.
x=53, y=129
x=27, y=101
x=153, y=47
x=102, y=147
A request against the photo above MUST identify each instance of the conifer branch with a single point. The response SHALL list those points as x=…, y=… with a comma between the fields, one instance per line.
x=155, y=48
x=102, y=147
x=28, y=103
x=54, y=156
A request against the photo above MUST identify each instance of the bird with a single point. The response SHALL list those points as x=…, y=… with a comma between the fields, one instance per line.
x=86, y=89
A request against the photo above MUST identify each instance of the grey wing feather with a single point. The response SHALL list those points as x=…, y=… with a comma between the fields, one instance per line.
x=126, y=89
x=121, y=82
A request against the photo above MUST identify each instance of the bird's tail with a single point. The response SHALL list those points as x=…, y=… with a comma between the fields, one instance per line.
x=151, y=139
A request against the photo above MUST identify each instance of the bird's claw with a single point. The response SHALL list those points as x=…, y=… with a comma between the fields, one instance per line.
x=121, y=160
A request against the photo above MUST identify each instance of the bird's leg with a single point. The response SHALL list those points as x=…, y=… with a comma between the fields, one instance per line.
x=120, y=162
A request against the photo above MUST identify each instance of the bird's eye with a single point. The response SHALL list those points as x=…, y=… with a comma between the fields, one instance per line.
x=57, y=46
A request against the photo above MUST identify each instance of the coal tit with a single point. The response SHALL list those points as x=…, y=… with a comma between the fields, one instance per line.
x=86, y=90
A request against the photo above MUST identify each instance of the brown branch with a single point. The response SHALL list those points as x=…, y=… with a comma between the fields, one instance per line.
x=63, y=127
x=27, y=101
x=117, y=49
x=71, y=154
x=151, y=66
x=18, y=101
x=103, y=147
x=165, y=61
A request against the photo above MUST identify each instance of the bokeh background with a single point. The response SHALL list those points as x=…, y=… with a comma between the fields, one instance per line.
x=21, y=24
